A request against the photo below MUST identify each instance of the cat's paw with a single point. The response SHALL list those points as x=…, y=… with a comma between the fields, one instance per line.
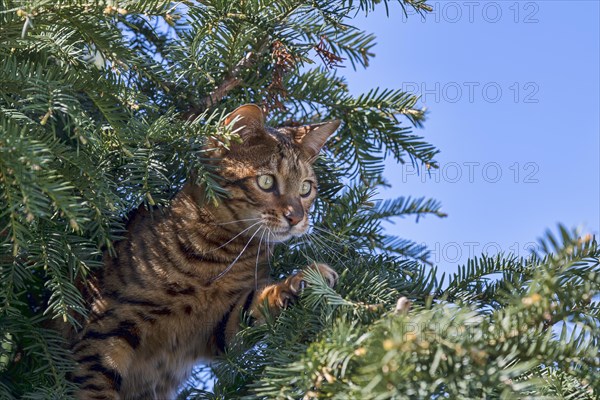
x=298, y=283
x=285, y=293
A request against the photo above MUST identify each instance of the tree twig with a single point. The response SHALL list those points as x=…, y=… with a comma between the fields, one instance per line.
x=229, y=83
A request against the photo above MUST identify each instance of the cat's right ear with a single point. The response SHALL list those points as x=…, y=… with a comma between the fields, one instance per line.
x=247, y=120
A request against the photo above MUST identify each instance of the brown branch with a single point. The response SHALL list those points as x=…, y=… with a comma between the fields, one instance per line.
x=233, y=80
x=330, y=59
x=229, y=83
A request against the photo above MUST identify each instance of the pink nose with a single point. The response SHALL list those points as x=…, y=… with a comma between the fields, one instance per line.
x=294, y=216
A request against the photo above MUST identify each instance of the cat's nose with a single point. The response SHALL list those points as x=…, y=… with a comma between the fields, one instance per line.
x=293, y=215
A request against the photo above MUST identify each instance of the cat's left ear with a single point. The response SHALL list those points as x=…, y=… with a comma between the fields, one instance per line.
x=311, y=138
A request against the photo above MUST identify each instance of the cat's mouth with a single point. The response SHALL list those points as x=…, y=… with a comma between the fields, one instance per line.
x=278, y=230
x=279, y=235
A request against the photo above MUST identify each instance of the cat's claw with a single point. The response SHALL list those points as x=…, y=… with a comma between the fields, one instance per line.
x=285, y=299
x=286, y=292
x=302, y=285
x=329, y=274
x=298, y=283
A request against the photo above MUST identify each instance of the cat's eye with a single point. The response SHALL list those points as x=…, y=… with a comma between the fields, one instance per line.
x=305, y=188
x=266, y=182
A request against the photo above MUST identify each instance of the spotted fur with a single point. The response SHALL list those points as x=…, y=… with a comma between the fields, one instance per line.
x=182, y=276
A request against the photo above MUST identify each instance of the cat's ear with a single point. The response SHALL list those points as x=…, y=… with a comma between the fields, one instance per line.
x=311, y=138
x=247, y=120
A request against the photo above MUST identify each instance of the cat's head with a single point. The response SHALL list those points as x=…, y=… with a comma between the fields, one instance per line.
x=269, y=175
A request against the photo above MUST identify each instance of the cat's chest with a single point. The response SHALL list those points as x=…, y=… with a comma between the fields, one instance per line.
x=192, y=313
x=178, y=341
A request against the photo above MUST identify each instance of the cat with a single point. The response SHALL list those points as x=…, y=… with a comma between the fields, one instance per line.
x=181, y=278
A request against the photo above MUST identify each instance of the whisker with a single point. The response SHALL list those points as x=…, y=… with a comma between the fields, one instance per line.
x=315, y=246
x=239, y=220
x=330, y=244
x=307, y=246
x=319, y=241
x=233, y=238
x=270, y=252
x=327, y=231
x=257, y=257
x=237, y=258
x=338, y=239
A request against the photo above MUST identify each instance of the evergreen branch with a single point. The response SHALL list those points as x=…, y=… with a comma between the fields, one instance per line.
x=403, y=206
x=231, y=82
x=89, y=95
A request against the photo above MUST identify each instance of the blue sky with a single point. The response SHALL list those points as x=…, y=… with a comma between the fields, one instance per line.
x=513, y=94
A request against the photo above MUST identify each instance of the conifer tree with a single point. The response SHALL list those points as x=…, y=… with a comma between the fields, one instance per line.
x=106, y=105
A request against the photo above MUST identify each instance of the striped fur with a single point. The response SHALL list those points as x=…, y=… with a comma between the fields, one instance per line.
x=182, y=276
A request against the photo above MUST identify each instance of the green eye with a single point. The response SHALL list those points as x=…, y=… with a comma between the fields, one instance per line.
x=305, y=188
x=266, y=182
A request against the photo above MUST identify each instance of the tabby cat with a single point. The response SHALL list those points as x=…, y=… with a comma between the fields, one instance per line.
x=181, y=278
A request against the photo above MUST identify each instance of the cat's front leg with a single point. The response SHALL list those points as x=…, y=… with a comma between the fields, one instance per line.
x=279, y=295
x=100, y=364
x=275, y=297
x=104, y=354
